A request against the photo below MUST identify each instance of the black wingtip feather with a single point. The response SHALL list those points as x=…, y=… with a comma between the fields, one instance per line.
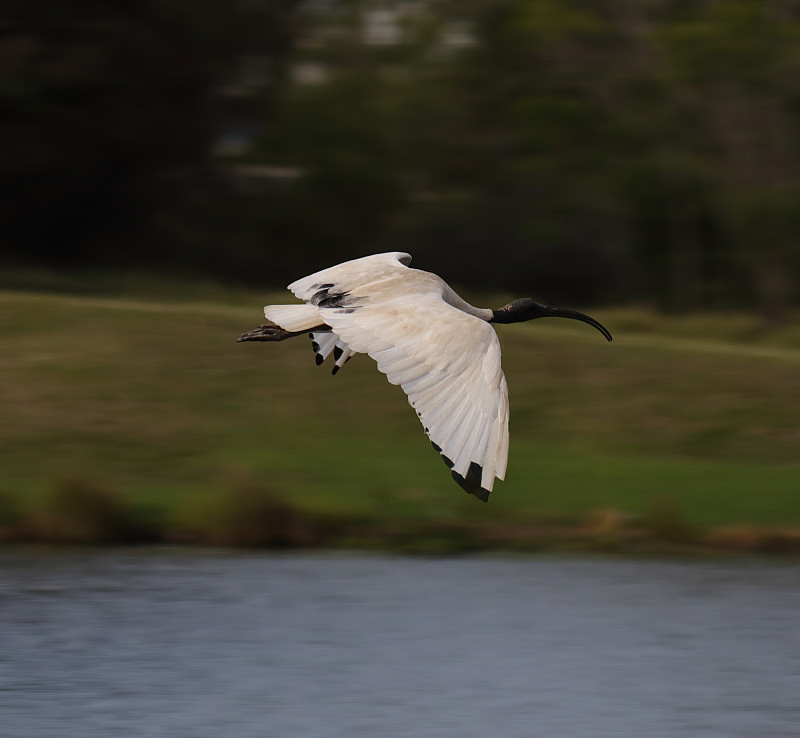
x=439, y=451
x=319, y=359
x=472, y=482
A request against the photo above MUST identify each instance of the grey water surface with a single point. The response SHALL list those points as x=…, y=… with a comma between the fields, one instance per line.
x=163, y=643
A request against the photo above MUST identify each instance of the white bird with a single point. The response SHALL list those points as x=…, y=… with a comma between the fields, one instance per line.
x=440, y=349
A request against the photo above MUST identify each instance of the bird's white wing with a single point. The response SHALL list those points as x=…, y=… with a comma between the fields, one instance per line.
x=355, y=273
x=448, y=363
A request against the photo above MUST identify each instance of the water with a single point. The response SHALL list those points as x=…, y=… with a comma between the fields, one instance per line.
x=211, y=644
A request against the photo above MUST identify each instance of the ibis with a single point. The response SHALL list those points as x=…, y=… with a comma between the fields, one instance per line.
x=441, y=350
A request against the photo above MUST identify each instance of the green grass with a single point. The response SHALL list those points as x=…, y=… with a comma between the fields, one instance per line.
x=153, y=401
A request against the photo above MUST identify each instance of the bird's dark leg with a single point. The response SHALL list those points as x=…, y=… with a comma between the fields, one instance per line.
x=275, y=333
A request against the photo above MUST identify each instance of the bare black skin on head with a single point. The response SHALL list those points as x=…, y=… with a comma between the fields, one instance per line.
x=527, y=309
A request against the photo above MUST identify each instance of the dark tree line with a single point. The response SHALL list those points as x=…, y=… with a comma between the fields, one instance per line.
x=109, y=113
x=590, y=150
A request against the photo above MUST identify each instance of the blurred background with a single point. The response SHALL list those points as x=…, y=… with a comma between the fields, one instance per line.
x=598, y=152
x=170, y=165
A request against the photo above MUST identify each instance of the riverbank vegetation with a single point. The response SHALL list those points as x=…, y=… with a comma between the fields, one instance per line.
x=139, y=419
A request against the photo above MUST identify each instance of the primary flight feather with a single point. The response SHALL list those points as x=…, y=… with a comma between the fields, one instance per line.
x=440, y=349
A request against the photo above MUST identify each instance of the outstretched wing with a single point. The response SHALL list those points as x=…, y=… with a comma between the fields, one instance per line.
x=448, y=363
x=361, y=273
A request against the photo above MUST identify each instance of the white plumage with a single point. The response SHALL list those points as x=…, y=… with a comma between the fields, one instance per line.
x=424, y=337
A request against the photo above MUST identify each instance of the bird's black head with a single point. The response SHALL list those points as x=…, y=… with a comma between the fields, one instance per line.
x=527, y=309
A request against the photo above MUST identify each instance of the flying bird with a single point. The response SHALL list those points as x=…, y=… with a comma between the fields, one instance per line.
x=441, y=350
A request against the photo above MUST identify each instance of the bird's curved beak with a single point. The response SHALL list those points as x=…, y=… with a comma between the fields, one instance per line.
x=556, y=312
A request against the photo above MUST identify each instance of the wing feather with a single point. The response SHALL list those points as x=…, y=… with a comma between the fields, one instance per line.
x=447, y=432
x=459, y=442
x=327, y=343
x=447, y=362
x=362, y=272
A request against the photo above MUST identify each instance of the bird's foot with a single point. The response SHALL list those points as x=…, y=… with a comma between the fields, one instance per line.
x=265, y=333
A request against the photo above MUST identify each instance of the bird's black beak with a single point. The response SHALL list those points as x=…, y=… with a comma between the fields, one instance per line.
x=555, y=312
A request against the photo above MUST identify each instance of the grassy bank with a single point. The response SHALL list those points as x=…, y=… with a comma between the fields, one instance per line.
x=142, y=419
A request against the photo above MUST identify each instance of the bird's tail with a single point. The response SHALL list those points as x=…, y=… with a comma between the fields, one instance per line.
x=294, y=317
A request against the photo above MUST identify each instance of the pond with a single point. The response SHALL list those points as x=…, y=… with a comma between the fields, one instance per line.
x=221, y=645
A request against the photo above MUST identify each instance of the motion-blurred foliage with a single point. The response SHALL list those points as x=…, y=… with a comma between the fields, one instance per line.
x=586, y=150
